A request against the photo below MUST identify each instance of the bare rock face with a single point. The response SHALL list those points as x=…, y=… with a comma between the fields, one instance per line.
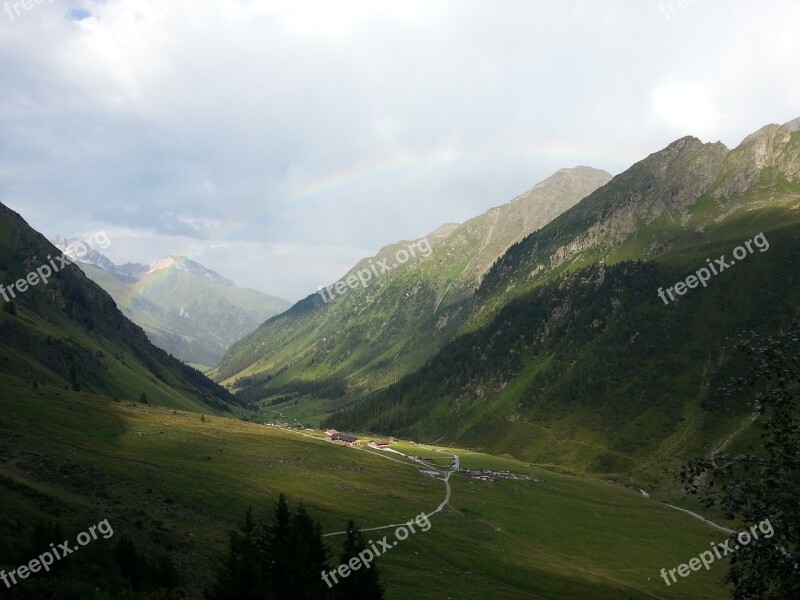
x=770, y=146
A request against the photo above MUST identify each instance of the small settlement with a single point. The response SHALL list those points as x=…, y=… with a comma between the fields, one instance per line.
x=492, y=476
x=487, y=475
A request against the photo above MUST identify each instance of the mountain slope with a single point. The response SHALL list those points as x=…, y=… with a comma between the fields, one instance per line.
x=187, y=310
x=664, y=202
x=573, y=359
x=366, y=338
x=67, y=332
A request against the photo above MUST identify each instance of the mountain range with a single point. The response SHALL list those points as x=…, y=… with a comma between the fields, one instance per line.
x=548, y=341
x=536, y=331
x=186, y=309
x=368, y=338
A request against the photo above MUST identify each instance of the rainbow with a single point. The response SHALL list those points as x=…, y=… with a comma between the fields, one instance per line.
x=158, y=280
x=338, y=184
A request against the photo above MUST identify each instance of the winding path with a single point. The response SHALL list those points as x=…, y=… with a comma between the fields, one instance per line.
x=448, y=492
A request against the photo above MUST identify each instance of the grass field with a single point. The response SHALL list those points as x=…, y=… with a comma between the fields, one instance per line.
x=175, y=482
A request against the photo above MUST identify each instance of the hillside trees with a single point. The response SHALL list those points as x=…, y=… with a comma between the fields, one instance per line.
x=284, y=557
x=763, y=485
x=361, y=584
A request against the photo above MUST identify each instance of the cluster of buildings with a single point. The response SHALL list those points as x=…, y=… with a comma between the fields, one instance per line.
x=492, y=476
x=342, y=438
x=351, y=440
x=285, y=425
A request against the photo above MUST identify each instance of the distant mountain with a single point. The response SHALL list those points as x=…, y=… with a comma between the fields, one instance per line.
x=370, y=336
x=186, y=309
x=62, y=330
x=570, y=357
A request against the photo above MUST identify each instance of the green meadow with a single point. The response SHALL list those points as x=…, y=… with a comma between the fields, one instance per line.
x=177, y=482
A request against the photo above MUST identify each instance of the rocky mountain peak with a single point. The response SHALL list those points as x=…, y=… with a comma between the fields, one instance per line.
x=768, y=147
x=79, y=251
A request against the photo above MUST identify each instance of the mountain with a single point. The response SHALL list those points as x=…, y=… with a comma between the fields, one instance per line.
x=59, y=329
x=186, y=309
x=342, y=346
x=572, y=358
x=663, y=203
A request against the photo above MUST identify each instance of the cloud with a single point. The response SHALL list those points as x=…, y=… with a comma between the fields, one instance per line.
x=232, y=129
x=687, y=108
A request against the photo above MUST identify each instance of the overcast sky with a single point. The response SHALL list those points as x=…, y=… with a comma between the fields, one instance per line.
x=279, y=141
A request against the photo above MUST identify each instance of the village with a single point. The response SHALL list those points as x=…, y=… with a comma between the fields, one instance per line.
x=486, y=475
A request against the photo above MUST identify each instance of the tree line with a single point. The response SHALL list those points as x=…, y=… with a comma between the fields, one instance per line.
x=285, y=557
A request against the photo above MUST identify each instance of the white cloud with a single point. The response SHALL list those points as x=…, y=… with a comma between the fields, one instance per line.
x=328, y=129
x=687, y=108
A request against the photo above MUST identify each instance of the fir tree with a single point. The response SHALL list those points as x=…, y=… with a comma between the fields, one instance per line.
x=361, y=584
x=312, y=557
x=274, y=542
x=239, y=576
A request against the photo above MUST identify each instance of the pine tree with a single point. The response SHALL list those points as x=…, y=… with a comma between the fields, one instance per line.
x=239, y=577
x=274, y=542
x=361, y=584
x=282, y=558
x=311, y=555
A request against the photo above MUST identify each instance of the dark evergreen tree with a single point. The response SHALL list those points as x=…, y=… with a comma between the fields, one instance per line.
x=240, y=575
x=274, y=540
x=127, y=559
x=140, y=573
x=361, y=584
x=282, y=558
x=311, y=555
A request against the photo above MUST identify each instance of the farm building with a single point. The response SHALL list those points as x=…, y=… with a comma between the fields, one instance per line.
x=345, y=439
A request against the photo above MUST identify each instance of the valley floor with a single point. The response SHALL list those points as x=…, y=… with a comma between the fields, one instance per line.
x=176, y=482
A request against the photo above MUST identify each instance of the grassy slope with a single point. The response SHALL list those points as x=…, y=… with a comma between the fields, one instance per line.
x=617, y=386
x=369, y=337
x=182, y=484
x=69, y=332
x=124, y=377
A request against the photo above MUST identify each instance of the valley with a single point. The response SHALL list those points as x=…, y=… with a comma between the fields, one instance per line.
x=399, y=300
x=176, y=482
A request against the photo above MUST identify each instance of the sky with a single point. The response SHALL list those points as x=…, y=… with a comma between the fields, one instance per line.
x=280, y=141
